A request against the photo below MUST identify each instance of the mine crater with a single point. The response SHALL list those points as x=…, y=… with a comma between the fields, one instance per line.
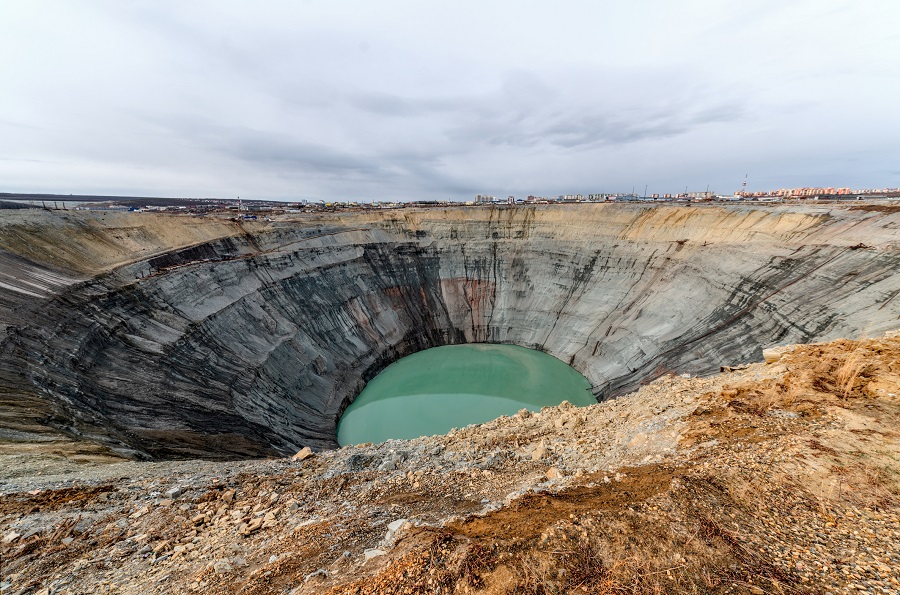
x=166, y=336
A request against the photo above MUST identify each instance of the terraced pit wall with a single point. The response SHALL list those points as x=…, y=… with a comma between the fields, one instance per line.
x=173, y=336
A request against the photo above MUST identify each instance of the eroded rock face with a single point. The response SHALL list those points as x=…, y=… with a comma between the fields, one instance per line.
x=188, y=337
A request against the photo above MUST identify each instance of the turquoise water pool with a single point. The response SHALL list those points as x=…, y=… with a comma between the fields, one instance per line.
x=438, y=389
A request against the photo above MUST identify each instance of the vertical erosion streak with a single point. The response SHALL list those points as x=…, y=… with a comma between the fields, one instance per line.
x=749, y=308
x=718, y=332
x=580, y=277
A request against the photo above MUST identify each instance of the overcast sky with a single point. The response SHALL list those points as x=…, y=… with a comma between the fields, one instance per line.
x=432, y=100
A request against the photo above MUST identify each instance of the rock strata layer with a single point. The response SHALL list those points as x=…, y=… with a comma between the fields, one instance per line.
x=175, y=336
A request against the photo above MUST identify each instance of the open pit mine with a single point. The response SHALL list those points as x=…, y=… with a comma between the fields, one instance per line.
x=154, y=337
x=163, y=336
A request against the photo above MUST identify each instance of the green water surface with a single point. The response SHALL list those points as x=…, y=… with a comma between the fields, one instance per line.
x=438, y=389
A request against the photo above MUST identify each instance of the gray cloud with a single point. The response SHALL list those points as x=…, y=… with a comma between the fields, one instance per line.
x=283, y=153
x=404, y=99
x=586, y=127
x=386, y=104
